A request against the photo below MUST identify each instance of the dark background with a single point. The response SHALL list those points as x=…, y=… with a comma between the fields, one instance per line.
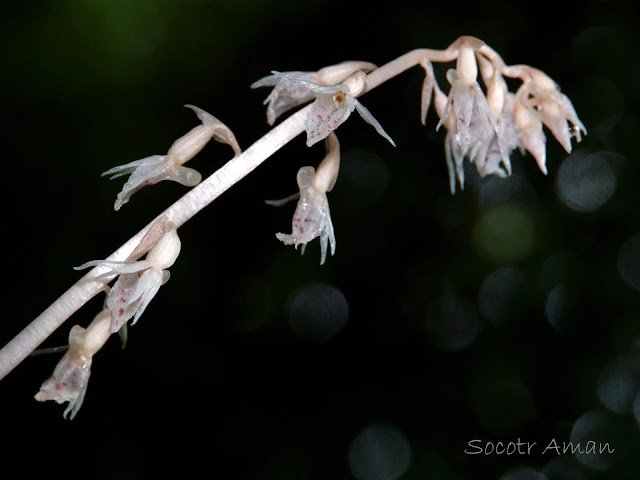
x=500, y=313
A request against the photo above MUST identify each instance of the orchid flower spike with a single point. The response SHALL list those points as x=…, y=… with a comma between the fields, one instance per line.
x=138, y=281
x=287, y=95
x=312, y=217
x=333, y=106
x=156, y=168
x=486, y=129
x=71, y=376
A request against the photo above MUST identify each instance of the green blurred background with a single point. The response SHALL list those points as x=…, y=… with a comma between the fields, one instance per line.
x=508, y=311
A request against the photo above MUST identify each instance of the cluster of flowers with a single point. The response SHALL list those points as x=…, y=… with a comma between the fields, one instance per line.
x=136, y=285
x=138, y=281
x=483, y=126
x=487, y=128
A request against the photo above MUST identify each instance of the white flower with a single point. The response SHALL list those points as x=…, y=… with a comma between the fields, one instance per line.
x=71, y=376
x=333, y=106
x=287, y=95
x=471, y=127
x=554, y=109
x=138, y=281
x=312, y=217
x=156, y=168
x=486, y=129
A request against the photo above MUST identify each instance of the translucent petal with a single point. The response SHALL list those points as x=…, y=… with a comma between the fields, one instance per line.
x=121, y=301
x=126, y=169
x=327, y=234
x=147, y=287
x=268, y=81
x=555, y=111
x=328, y=112
x=489, y=164
x=147, y=174
x=68, y=383
x=220, y=132
x=311, y=219
x=283, y=201
x=366, y=115
x=116, y=266
x=427, y=92
x=286, y=94
x=450, y=166
x=315, y=87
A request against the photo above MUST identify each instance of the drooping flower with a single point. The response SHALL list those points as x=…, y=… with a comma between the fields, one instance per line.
x=71, y=376
x=333, y=105
x=497, y=159
x=554, y=109
x=501, y=106
x=156, y=168
x=287, y=95
x=467, y=117
x=486, y=129
x=312, y=217
x=138, y=281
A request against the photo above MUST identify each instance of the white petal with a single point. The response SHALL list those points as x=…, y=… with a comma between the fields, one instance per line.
x=325, y=116
x=427, y=92
x=317, y=88
x=116, y=266
x=121, y=301
x=148, y=285
x=127, y=168
x=268, y=81
x=366, y=115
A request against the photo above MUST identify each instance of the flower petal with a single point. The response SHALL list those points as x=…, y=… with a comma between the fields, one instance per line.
x=68, y=383
x=311, y=219
x=326, y=115
x=116, y=266
x=314, y=87
x=147, y=287
x=366, y=115
x=121, y=301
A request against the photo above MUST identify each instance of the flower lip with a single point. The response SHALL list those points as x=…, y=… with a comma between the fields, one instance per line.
x=71, y=376
x=139, y=281
x=331, y=109
x=312, y=217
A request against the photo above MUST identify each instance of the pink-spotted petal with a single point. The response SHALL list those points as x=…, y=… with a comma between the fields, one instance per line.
x=68, y=383
x=121, y=301
x=327, y=113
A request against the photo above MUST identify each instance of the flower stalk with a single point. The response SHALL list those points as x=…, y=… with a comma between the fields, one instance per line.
x=480, y=137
